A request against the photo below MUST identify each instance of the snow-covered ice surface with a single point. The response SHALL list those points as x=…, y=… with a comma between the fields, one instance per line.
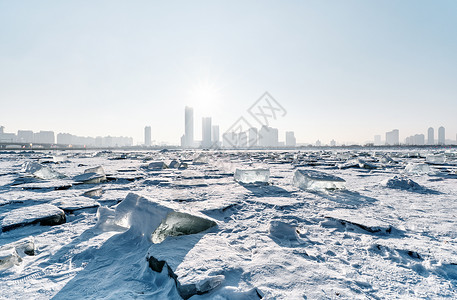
x=155, y=230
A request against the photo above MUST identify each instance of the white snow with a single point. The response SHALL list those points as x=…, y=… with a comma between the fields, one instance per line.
x=275, y=240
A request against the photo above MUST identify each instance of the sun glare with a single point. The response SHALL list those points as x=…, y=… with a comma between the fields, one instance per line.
x=205, y=96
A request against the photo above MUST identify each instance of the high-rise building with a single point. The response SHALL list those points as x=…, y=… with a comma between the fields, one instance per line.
x=243, y=139
x=1, y=129
x=332, y=143
x=189, y=127
x=230, y=140
x=147, y=136
x=393, y=137
x=377, y=140
x=215, y=136
x=25, y=136
x=44, y=137
x=431, y=136
x=253, y=137
x=290, y=139
x=441, y=136
x=268, y=137
x=206, y=132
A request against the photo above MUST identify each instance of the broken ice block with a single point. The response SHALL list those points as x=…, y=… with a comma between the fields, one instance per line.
x=157, y=165
x=200, y=159
x=315, y=180
x=144, y=217
x=418, y=169
x=9, y=257
x=435, y=159
x=43, y=214
x=41, y=172
x=252, y=175
x=176, y=224
x=403, y=183
x=91, y=175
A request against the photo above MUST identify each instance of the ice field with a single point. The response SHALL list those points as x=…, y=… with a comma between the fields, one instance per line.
x=317, y=224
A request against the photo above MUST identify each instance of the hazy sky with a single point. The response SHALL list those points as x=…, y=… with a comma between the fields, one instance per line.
x=343, y=70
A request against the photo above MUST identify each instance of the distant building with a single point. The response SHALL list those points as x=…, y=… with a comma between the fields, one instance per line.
x=44, y=137
x=377, y=140
x=441, y=136
x=318, y=143
x=65, y=139
x=1, y=129
x=189, y=127
x=243, y=140
x=332, y=143
x=147, y=136
x=215, y=136
x=230, y=140
x=431, y=136
x=253, y=137
x=268, y=137
x=290, y=139
x=416, y=140
x=25, y=136
x=206, y=132
x=393, y=137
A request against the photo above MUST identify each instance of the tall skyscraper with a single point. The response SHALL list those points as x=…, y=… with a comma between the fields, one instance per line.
x=215, y=135
x=189, y=127
x=377, y=140
x=253, y=137
x=441, y=136
x=147, y=136
x=243, y=139
x=206, y=132
x=268, y=137
x=290, y=139
x=393, y=137
x=431, y=136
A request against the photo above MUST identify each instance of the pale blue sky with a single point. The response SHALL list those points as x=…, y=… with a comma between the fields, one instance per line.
x=343, y=70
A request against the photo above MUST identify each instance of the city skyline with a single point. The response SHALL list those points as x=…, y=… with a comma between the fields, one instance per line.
x=345, y=71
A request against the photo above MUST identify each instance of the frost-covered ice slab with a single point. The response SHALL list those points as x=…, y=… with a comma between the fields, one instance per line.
x=73, y=204
x=91, y=175
x=403, y=183
x=357, y=163
x=41, y=172
x=93, y=193
x=157, y=165
x=252, y=175
x=315, y=180
x=144, y=217
x=437, y=159
x=11, y=254
x=336, y=218
x=43, y=214
x=9, y=257
x=418, y=169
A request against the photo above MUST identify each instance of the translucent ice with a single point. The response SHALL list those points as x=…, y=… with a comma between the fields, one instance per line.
x=315, y=180
x=41, y=172
x=143, y=217
x=92, y=175
x=176, y=224
x=436, y=159
x=252, y=175
x=418, y=169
